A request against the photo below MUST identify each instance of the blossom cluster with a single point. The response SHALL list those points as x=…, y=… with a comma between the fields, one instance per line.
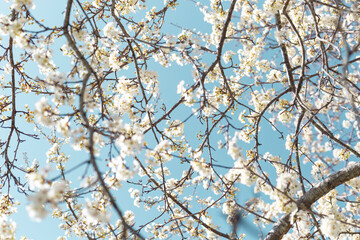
x=46, y=193
x=134, y=102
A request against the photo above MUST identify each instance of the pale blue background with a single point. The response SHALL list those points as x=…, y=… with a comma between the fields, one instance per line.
x=187, y=16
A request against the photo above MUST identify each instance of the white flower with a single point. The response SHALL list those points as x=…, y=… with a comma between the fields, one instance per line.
x=122, y=172
x=330, y=227
x=57, y=191
x=63, y=126
x=113, y=60
x=7, y=228
x=43, y=57
x=7, y=68
x=350, y=116
x=4, y=24
x=134, y=192
x=201, y=167
x=130, y=145
x=35, y=180
x=40, y=197
x=272, y=6
x=346, y=124
x=289, y=143
x=242, y=116
x=228, y=55
x=15, y=27
x=17, y=4
x=93, y=214
x=176, y=128
x=234, y=150
x=180, y=87
x=288, y=181
x=285, y=116
x=22, y=40
x=43, y=112
x=111, y=31
x=341, y=154
x=161, y=153
x=279, y=36
x=36, y=211
x=129, y=217
x=357, y=146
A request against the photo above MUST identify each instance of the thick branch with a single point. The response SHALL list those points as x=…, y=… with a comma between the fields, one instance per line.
x=314, y=194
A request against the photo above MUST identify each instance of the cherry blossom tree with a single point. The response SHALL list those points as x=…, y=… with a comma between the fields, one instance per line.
x=269, y=103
